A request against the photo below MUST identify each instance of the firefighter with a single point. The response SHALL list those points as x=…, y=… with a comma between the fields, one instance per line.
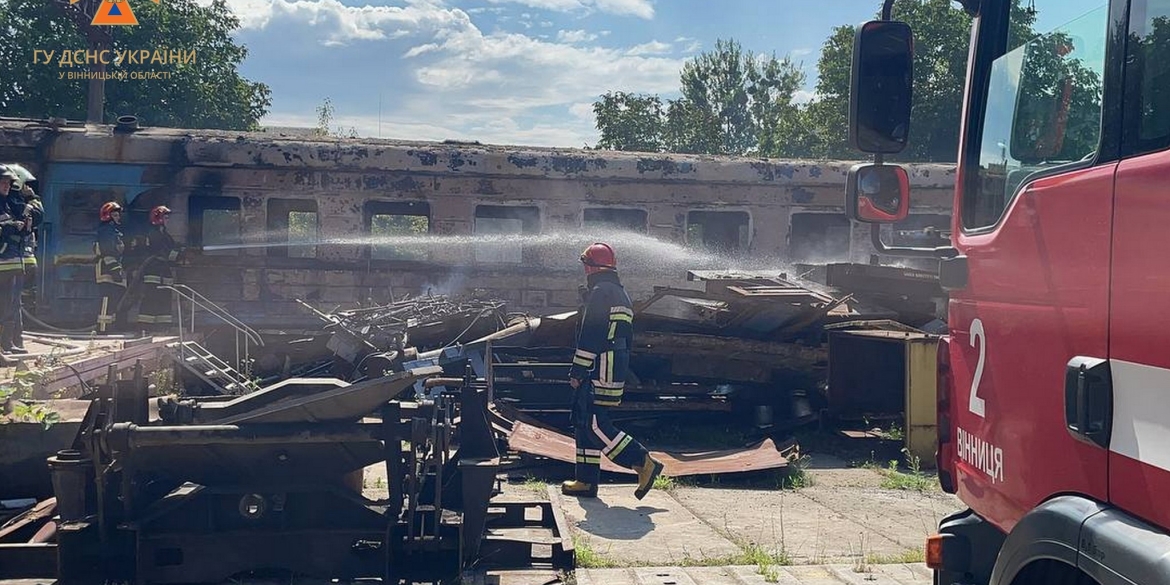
x=110, y=275
x=23, y=205
x=11, y=269
x=158, y=270
x=598, y=379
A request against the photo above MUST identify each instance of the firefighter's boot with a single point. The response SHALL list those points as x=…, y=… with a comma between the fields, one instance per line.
x=648, y=471
x=579, y=489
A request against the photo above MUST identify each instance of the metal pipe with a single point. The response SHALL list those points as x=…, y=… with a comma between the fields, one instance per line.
x=875, y=236
x=888, y=10
x=129, y=436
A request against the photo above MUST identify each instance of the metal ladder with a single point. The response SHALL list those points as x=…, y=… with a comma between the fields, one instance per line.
x=202, y=362
x=207, y=367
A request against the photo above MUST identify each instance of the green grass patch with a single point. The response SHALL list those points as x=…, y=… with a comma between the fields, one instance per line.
x=665, y=483
x=587, y=558
x=903, y=558
x=535, y=485
x=796, y=476
x=893, y=478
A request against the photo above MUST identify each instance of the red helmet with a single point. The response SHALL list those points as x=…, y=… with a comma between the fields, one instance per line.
x=598, y=257
x=108, y=209
x=159, y=214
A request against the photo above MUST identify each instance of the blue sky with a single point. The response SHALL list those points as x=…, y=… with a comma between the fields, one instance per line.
x=503, y=71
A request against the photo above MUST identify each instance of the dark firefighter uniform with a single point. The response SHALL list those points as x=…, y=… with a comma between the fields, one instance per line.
x=158, y=270
x=600, y=363
x=11, y=267
x=24, y=206
x=110, y=275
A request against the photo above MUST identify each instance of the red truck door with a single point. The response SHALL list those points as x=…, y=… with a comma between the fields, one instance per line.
x=1034, y=221
x=1140, y=301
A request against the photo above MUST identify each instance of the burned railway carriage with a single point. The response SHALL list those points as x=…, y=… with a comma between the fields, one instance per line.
x=271, y=219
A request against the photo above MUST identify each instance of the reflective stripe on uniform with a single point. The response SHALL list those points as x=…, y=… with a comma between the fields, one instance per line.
x=168, y=281
x=584, y=358
x=104, y=318
x=625, y=442
x=591, y=456
x=152, y=279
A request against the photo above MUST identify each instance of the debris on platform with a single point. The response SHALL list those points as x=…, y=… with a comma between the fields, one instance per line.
x=534, y=440
x=370, y=339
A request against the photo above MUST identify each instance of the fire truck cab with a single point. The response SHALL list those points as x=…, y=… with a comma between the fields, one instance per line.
x=1054, y=383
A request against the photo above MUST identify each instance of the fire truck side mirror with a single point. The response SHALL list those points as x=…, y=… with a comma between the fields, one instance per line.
x=877, y=193
x=882, y=87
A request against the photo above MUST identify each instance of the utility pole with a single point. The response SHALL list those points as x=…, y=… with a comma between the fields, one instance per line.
x=81, y=13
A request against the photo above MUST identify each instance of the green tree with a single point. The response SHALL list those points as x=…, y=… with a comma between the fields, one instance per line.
x=631, y=121
x=324, y=117
x=732, y=102
x=941, y=38
x=1058, y=116
x=209, y=93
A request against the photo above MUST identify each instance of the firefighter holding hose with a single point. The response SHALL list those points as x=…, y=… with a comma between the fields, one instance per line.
x=158, y=271
x=598, y=377
x=109, y=273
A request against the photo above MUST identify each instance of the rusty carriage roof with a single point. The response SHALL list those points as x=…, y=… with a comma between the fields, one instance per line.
x=41, y=142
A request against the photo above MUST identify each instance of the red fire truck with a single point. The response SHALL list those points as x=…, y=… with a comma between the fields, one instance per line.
x=1054, y=384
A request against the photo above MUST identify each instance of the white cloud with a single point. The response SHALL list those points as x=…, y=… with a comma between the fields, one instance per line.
x=583, y=110
x=448, y=78
x=650, y=48
x=801, y=52
x=342, y=23
x=539, y=73
x=575, y=36
x=639, y=8
x=803, y=96
x=497, y=131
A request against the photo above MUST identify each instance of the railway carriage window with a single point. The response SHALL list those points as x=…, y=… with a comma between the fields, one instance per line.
x=923, y=230
x=1043, y=107
x=627, y=220
x=819, y=237
x=292, y=228
x=505, y=223
x=1147, y=119
x=723, y=232
x=396, y=229
x=215, y=224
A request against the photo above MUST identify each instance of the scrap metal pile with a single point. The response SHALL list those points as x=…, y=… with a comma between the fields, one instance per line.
x=753, y=343
x=270, y=483
x=374, y=339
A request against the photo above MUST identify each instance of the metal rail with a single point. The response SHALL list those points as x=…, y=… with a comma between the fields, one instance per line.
x=243, y=332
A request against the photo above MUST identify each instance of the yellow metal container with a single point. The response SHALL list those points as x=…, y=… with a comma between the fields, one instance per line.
x=887, y=373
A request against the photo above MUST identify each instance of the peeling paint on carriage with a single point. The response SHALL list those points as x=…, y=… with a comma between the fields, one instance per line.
x=447, y=182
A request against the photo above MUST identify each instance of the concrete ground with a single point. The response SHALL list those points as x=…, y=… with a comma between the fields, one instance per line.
x=842, y=527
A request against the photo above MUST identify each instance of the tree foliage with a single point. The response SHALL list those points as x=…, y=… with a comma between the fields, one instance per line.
x=731, y=102
x=209, y=93
x=941, y=37
x=632, y=121
x=734, y=103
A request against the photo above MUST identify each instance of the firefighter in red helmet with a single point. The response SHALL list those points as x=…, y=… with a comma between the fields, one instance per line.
x=598, y=377
x=111, y=276
x=158, y=270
